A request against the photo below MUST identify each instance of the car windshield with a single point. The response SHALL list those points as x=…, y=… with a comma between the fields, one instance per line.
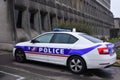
x=90, y=38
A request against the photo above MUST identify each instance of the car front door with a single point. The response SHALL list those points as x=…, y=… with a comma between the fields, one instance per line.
x=39, y=47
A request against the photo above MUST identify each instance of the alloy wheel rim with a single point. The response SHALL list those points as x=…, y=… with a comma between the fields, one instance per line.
x=76, y=65
x=19, y=56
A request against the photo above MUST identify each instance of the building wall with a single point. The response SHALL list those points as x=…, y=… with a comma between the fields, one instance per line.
x=105, y=3
x=115, y=32
x=99, y=17
x=32, y=17
x=117, y=23
x=5, y=28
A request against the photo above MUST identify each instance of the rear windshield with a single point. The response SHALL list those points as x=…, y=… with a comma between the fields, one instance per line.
x=92, y=39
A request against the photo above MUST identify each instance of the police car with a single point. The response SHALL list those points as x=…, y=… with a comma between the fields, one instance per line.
x=78, y=51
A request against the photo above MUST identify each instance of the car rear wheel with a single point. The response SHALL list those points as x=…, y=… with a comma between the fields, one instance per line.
x=76, y=64
x=20, y=55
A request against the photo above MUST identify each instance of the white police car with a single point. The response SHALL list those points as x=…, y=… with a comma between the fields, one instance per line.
x=76, y=50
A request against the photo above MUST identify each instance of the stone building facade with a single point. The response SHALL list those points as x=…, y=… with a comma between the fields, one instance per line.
x=117, y=23
x=24, y=19
x=105, y=3
x=115, y=32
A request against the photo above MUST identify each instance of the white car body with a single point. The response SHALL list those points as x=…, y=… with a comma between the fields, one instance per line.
x=59, y=53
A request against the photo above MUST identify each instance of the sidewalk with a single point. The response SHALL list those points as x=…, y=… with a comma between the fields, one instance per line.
x=6, y=46
x=117, y=64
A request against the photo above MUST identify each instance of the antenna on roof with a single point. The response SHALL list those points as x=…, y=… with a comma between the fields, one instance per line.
x=74, y=30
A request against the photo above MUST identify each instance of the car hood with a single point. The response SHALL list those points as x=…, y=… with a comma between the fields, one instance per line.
x=22, y=43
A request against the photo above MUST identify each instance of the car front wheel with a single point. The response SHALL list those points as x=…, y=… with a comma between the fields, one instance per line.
x=20, y=55
x=76, y=64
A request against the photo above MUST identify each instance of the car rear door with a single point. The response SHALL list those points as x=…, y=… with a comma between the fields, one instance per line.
x=60, y=45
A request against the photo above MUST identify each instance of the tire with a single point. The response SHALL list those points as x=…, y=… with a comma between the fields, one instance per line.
x=20, y=56
x=76, y=65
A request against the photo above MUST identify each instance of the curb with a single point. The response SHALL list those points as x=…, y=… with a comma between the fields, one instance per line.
x=6, y=46
x=117, y=64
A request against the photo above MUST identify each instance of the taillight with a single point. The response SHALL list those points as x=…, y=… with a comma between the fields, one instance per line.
x=103, y=51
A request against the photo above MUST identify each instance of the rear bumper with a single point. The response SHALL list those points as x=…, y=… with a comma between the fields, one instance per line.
x=101, y=63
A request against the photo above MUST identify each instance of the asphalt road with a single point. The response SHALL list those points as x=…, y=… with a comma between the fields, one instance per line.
x=31, y=70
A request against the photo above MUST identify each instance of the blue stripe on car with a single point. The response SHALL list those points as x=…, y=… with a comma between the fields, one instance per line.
x=110, y=48
x=63, y=51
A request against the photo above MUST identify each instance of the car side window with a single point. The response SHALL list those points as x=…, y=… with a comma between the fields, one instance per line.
x=46, y=38
x=72, y=39
x=63, y=38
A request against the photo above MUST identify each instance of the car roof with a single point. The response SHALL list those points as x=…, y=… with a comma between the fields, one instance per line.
x=66, y=32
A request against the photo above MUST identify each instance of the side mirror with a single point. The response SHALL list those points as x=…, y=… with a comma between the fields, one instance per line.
x=34, y=41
